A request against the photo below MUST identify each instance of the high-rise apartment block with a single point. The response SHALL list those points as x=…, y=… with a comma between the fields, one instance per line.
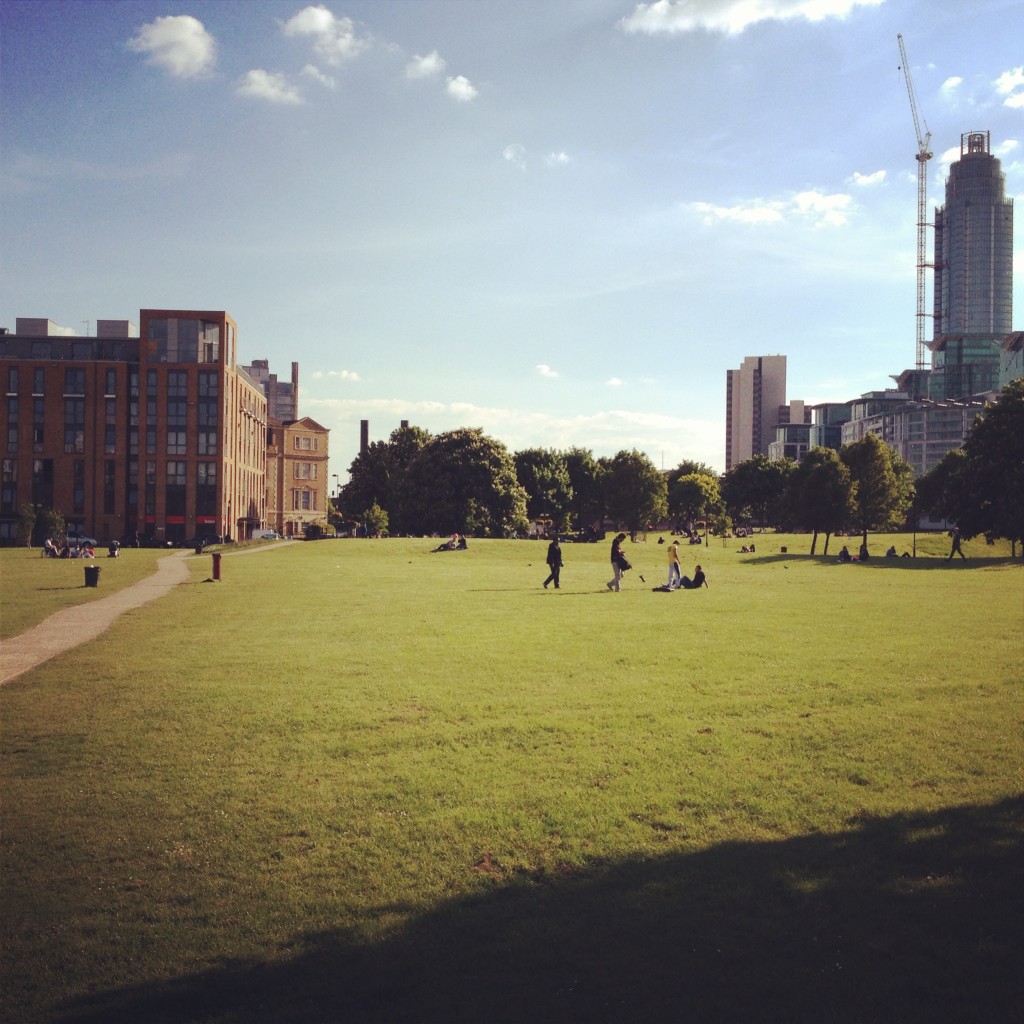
x=754, y=394
x=973, y=302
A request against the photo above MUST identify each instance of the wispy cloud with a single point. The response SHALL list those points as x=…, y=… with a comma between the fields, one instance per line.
x=335, y=374
x=515, y=153
x=1010, y=84
x=179, y=44
x=670, y=17
x=615, y=382
x=951, y=85
x=312, y=71
x=543, y=370
x=334, y=39
x=818, y=208
x=425, y=67
x=559, y=159
x=268, y=85
x=864, y=180
x=461, y=89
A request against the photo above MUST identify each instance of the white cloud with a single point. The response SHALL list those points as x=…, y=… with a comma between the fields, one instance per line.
x=614, y=382
x=543, y=370
x=875, y=178
x=179, y=44
x=425, y=67
x=819, y=209
x=461, y=88
x=311, y=71
x=1015, y=100
x=669, y=17
x=559, y=159
x=268, y=85
x=1010, y=81
x=337, y=374
x=951, y=84
x=514, y=153
x=334, y=38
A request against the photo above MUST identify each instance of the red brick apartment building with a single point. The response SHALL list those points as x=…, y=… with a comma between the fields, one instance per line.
x=155, y=431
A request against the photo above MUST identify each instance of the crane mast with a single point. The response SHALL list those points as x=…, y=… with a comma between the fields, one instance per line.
x=924, y=154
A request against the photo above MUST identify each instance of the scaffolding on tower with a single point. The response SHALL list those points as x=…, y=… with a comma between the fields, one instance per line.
x=924, y=154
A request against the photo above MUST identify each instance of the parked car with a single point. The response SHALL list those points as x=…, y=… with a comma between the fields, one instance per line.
x=81, y=541
x=265, y=535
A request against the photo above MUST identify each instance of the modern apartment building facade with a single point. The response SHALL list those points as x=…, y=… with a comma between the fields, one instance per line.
x=754, y=395
x=153, y=432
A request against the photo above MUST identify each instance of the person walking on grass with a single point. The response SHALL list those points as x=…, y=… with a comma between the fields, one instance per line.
x=674, y=571
x=955, y=549
x=699, y=580
x=619, y=562
x=554, y=561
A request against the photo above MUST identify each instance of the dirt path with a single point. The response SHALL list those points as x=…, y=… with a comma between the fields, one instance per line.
x=73, y=626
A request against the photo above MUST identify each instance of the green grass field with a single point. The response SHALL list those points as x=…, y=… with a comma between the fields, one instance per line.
x=360, y=781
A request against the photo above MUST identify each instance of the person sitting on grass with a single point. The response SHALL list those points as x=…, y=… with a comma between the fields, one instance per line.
x=699, y=580
x=844, y=555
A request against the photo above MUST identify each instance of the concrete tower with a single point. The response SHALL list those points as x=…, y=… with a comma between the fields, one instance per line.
x=754, y=394
x=973, y=303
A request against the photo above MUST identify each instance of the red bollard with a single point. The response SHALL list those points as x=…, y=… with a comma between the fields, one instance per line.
x=216, y=564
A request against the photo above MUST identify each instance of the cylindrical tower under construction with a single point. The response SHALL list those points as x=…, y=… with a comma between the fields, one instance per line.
x=973, y=305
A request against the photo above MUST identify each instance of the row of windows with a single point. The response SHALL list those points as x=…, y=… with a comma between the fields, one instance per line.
x=75, y=380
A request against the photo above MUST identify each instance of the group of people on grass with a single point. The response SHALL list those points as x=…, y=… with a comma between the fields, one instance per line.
x=621, y=565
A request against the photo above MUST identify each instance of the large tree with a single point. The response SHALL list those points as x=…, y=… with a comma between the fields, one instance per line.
x=981, y=486
x=465, y=481
x=545, y=478
x=883, y=485
x=819, y=495
x=756, y=487
x=586, y=478
x=635, y=491
x=379, y=476
x=695, y=495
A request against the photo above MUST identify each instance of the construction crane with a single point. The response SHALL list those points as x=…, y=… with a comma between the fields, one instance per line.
x=924, y=154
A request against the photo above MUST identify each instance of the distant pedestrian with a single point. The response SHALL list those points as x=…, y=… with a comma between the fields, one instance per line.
x=699, y=580
x=955, y=549
x=619, y=562
x=554, y=561
x=675, y=573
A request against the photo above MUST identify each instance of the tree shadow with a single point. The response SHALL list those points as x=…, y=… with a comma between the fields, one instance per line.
x=912, y=918
x=928, y=562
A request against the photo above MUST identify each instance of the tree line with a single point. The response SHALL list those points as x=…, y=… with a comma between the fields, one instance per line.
x=466, y=482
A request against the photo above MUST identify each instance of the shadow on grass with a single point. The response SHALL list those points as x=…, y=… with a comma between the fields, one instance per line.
x=906, y=919
x=881, y=562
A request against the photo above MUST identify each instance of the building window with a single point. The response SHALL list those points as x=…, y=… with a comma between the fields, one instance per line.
x=177, y=384
x=305, y=470
x=150, y=488
x=209, y=384
x=175, y=488
x=207, y=440
x=38, y=380
x=74, y=381
x=74, y=425
x=78, y=487
x=109, y=490
x=206, y=488
x=38, y=424
x=12, y=380
x=110, y=426
x=303, y=500
x=12, y=425
x=177, y=414
x=183, y=340
x=9, y=486
x=42, y=482
x=133, y=488
x=110, y=385
x=177, y=442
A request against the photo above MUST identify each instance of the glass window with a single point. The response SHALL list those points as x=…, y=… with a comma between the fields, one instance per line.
x=12, y=380
x=38, y=380
x=110, y=385
x=74, y=380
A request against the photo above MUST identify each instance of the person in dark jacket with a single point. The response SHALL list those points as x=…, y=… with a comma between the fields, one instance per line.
x=619, y=562
x=699, y=580
x=554, y=561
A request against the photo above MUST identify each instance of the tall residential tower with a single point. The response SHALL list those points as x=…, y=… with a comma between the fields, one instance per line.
x=973, y=303
x=754, y=394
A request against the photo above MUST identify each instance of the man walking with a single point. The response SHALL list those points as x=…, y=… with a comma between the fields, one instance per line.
x=554, y=561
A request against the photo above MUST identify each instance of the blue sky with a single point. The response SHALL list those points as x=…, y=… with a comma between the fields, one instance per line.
x=559, y=221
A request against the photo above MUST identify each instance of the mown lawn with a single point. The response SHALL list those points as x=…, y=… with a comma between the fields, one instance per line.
x=363, y=781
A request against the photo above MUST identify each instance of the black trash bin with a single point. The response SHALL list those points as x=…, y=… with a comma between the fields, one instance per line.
x=92, y=575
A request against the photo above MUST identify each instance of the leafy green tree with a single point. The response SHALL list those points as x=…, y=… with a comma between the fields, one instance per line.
x=544, y=475
x=586, y=478
x=757, y=484
x=26, y=524
x=980, y=487
x=375, y=521
x=695, y=496
x=883, y=485
x=635, y=491
x=379, y=476
x=465, y=481
x=819, y=495
x=51, y=522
